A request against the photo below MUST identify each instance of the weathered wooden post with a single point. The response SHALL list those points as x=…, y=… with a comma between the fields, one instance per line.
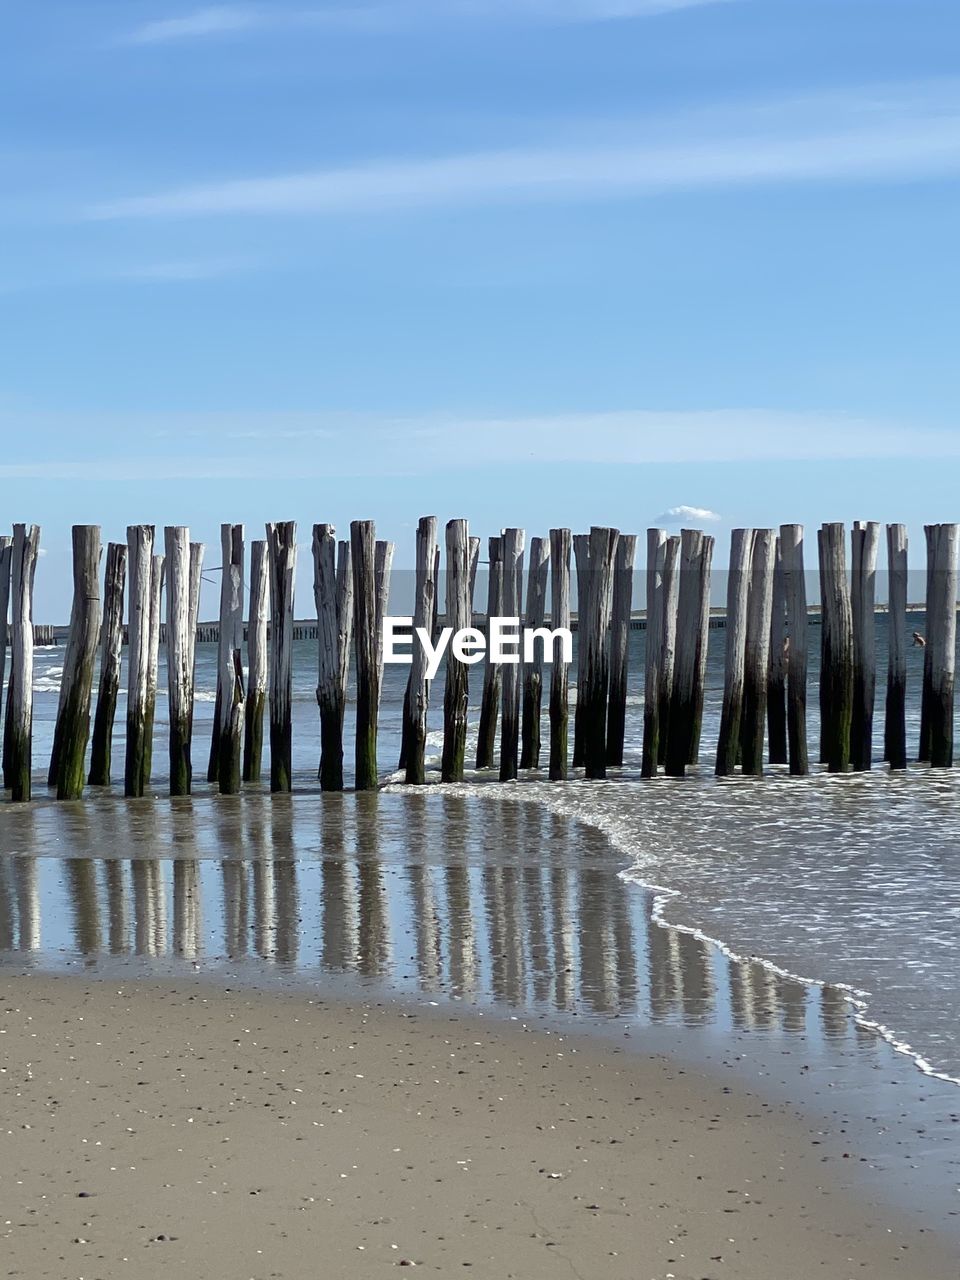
x=942, y=635
x=738, y=595
x=836, y=675
x=330, y=693
x=703, y=644
x=282, y=553
x=682, y=696
x=795, y=594
x=538, y=575
x=114, y=582
x=513, y=547
x=757, y=651
x=6, y=555
x=560, y=543
x=230, y=661
x=865, y=543
x=72, y=727
x=458, y=616
x=823, y=691
x=656, y=556
x=776, y=675
x=581, y=559
x=620, y=646
x=931, y=534
x=895, y=719
x=257, y=615
x=474, y=566
x=230, y=635
x=490, y=701
x=363, y=545
x=415, y=704
x=603, y=551
x=383, y=563
x=139, y=554
x=179, y=650
x=668, y=638
x=193, y=614
x=19, y=717
x=157, y=575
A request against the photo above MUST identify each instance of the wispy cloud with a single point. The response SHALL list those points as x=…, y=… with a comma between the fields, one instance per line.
x=179, y=271
x=236, y=446
x=880, y=134
x=225, y=20
x=686, y=515
x=221, y=20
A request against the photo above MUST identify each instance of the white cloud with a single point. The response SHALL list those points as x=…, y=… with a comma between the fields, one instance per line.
x=221, y=20
x=894, y=134
x=687, y=515
x=224, y=446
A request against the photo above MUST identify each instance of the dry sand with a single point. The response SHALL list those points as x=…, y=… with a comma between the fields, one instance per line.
x=180, y=1130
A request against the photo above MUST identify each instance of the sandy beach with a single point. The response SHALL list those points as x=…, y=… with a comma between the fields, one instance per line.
x=176, y=1128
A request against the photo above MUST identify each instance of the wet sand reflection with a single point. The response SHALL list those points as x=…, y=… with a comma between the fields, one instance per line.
x=437, y=895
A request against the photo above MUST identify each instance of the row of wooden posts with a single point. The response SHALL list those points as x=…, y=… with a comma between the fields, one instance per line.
x=765, y=678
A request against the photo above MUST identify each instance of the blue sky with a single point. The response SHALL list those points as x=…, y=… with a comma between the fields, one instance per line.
x=526, y=261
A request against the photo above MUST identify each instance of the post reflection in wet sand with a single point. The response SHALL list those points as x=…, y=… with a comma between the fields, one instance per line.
x=437, y=894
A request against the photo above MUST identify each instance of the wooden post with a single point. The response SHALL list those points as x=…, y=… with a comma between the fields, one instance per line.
x=363, y=544
x=18, y=725
x=179, y=650
x=776, y=675
x=560, y=543
x=258, y=613
x=193, y=614
x=738, y=595
x=282, y=554
x=72, y=728
x=865, y=543
x=344, y=616
x=139, y=554
x=668, y=638
x=456, y=691
x=682, y=696
x=942, y=636
x=823, y=692
x=603, y=551
x=538, y=575
x=6, y=555
x=656, y=556
x=757, y=651
x=620, y=646
x=330, y=691
x=703, y=644
x=895, y=721
x=474, y=565
x=581, y=557
x=836, y=675
x=230, y=636
x=795, y=593
x=931, y=534
x=157, y=574
x=230, y=661
x=114, y=582
x=415, y=704
x=513, y=547
x=490, y=701
x=383, y=563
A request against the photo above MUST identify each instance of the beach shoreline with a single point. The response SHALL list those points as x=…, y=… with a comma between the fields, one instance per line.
x=175, y=1124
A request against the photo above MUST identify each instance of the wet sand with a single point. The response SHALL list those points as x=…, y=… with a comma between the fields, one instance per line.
x=174, y=1128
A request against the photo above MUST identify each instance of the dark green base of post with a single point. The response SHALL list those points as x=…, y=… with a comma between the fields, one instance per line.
x=253, y=738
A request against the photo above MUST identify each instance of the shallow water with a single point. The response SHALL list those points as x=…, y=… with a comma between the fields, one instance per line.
x=852, y=880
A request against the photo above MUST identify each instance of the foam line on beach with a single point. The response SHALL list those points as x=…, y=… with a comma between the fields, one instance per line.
x=857, y=998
